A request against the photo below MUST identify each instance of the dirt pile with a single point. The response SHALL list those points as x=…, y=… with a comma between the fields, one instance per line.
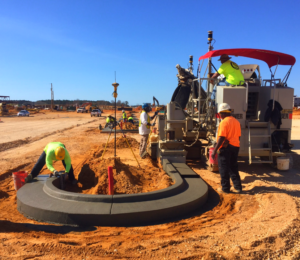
x=128, y=126
x=93, y=177
x=121, y=143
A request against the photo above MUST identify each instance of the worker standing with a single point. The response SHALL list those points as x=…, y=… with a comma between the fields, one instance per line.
x=54, y=151
x=144, y=127
x=130, y=119
x=228, y=145
x=124, y=116
x=230, y=70
x=110, y=121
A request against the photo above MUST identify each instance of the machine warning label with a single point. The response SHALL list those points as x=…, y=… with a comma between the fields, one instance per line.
x=286, y=116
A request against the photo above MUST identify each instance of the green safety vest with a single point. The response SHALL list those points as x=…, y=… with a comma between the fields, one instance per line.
x=109, y=120
x=148, y=120
x=50, y=156
x=124, y=115
x=130, y=118
x=232, y=72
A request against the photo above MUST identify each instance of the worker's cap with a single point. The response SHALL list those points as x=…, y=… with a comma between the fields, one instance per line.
x=224, y=57
x=123, y=111
x=60, y=153
x=224, y=108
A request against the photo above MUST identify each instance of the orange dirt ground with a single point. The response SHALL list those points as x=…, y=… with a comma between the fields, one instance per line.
x=261, y=223
x=93, y=179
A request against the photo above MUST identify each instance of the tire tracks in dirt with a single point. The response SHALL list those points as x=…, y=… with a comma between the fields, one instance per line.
x=10, y=145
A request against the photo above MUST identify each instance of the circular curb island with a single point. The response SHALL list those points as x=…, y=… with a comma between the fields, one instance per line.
x=43, y=201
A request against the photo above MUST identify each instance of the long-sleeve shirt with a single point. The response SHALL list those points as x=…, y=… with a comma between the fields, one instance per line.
x=144, y=120
x=50, y=156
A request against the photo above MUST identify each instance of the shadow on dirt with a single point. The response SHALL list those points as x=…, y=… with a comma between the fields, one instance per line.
x=8, y=226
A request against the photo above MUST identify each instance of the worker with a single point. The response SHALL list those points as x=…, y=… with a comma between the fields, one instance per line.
x=130, y=119
x=54, y=151
x=230, y=70
x=110, y=121
x=227, y=147
x=124, y=116
x=144, y=127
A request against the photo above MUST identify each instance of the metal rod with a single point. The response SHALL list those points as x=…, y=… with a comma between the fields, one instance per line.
x=106, y=144
x=115, y=127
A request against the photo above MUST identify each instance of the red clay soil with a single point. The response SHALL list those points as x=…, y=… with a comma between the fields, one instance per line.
x=121, y=143
x=128, y=126
x=93, y=178
x=262, y=223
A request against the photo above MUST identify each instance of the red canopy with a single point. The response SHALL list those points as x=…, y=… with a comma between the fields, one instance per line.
x=270, y=57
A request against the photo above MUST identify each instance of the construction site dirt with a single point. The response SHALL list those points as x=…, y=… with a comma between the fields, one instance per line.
x=261, y=223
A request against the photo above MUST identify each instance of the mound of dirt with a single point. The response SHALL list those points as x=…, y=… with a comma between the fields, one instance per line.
x=121, y=143
x=93, y=176
x=128, y=126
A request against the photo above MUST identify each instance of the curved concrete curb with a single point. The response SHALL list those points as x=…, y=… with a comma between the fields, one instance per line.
x=43, y=201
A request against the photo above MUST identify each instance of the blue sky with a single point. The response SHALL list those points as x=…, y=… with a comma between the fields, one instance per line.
x=78, y=45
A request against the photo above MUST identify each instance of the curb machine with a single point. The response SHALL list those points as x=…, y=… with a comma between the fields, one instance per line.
x=262, y=106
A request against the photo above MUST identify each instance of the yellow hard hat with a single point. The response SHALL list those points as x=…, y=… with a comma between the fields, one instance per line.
x=60, y=153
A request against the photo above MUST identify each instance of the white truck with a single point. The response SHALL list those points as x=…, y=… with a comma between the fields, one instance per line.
x=96, y=112
x=81, y=110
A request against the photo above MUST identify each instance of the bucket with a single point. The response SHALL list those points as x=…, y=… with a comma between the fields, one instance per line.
x=283, y=163
x=213, y=160
x=19, y=179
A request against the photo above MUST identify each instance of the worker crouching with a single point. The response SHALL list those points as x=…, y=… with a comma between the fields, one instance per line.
x=130, y=120
x=54, y=151
x=110, y=121
x=144, y=128
x=228, y=145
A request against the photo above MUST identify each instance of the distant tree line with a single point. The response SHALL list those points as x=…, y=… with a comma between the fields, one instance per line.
x=66, y=102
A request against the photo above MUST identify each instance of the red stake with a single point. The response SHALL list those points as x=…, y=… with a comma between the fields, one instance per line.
x=110, y=181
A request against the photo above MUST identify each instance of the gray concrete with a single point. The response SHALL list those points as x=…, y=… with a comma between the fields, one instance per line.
x=42, y=200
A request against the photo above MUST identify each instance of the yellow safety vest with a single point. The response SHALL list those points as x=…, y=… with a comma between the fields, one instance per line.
x=148, y=120
x=124, y=115
x=109, y=120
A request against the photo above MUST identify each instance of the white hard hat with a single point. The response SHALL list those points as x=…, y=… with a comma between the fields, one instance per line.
x=225, y=108
x=123, y=111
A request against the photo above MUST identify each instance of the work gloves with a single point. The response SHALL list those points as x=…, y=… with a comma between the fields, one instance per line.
x=28, y=178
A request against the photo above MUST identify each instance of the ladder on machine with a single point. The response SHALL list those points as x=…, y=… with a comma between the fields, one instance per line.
x=266, y=125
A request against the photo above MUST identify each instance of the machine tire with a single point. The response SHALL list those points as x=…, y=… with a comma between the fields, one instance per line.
x=181, y=95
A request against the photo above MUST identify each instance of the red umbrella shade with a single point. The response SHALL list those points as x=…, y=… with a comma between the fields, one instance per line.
x=270, y=57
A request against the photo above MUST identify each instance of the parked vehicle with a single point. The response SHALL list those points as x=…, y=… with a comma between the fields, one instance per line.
x=23, y=113
x=81, y=110
x=96, y=112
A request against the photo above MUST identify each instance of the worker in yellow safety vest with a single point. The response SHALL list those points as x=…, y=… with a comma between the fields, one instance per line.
x=110, y=121
x=130, y=119
x=124, y=116
x=144, y=128
x=54, y=151
x=230, y=70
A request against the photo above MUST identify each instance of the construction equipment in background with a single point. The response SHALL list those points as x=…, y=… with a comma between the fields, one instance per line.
x=3, y=109
x=85, y=108
x=263, y=108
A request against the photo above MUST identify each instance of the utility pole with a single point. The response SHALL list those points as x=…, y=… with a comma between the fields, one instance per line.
x=210, y=48
x=52, y=97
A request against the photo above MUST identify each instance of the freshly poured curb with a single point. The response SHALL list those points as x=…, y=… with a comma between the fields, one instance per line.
x=43, y=201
